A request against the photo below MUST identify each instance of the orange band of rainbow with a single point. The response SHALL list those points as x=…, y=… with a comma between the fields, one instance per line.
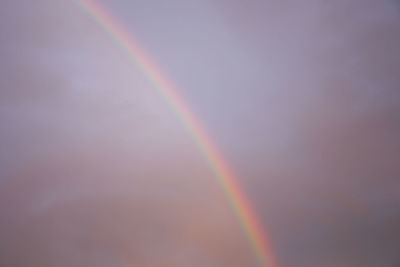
x=222, y=171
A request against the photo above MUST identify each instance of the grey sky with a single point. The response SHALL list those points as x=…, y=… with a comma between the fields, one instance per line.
x=302, y=97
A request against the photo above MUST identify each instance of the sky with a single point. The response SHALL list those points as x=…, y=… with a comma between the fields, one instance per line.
x=301, y=97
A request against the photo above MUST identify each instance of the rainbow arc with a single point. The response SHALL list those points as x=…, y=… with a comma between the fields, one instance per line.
x=223, y=173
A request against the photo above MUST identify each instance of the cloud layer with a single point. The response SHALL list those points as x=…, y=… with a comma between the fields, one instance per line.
x=303, y=99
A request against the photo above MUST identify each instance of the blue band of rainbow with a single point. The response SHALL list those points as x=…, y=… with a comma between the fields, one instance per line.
x=208, y=148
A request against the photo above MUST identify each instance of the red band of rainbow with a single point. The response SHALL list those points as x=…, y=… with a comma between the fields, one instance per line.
x=222, y=171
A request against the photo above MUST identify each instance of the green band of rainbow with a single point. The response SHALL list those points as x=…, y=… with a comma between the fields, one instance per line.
x=223, y=173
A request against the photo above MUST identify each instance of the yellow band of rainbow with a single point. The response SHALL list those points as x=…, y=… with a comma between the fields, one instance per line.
x=208, y=148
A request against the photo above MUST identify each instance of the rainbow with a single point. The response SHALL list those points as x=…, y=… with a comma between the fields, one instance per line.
x=208, y=148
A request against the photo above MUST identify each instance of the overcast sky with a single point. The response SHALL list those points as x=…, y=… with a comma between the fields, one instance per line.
x=302, y=97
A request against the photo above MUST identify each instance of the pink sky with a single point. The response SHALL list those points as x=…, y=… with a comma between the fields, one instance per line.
x=301, y=96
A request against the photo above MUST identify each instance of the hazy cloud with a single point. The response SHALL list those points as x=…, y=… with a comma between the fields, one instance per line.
x=302, y=97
